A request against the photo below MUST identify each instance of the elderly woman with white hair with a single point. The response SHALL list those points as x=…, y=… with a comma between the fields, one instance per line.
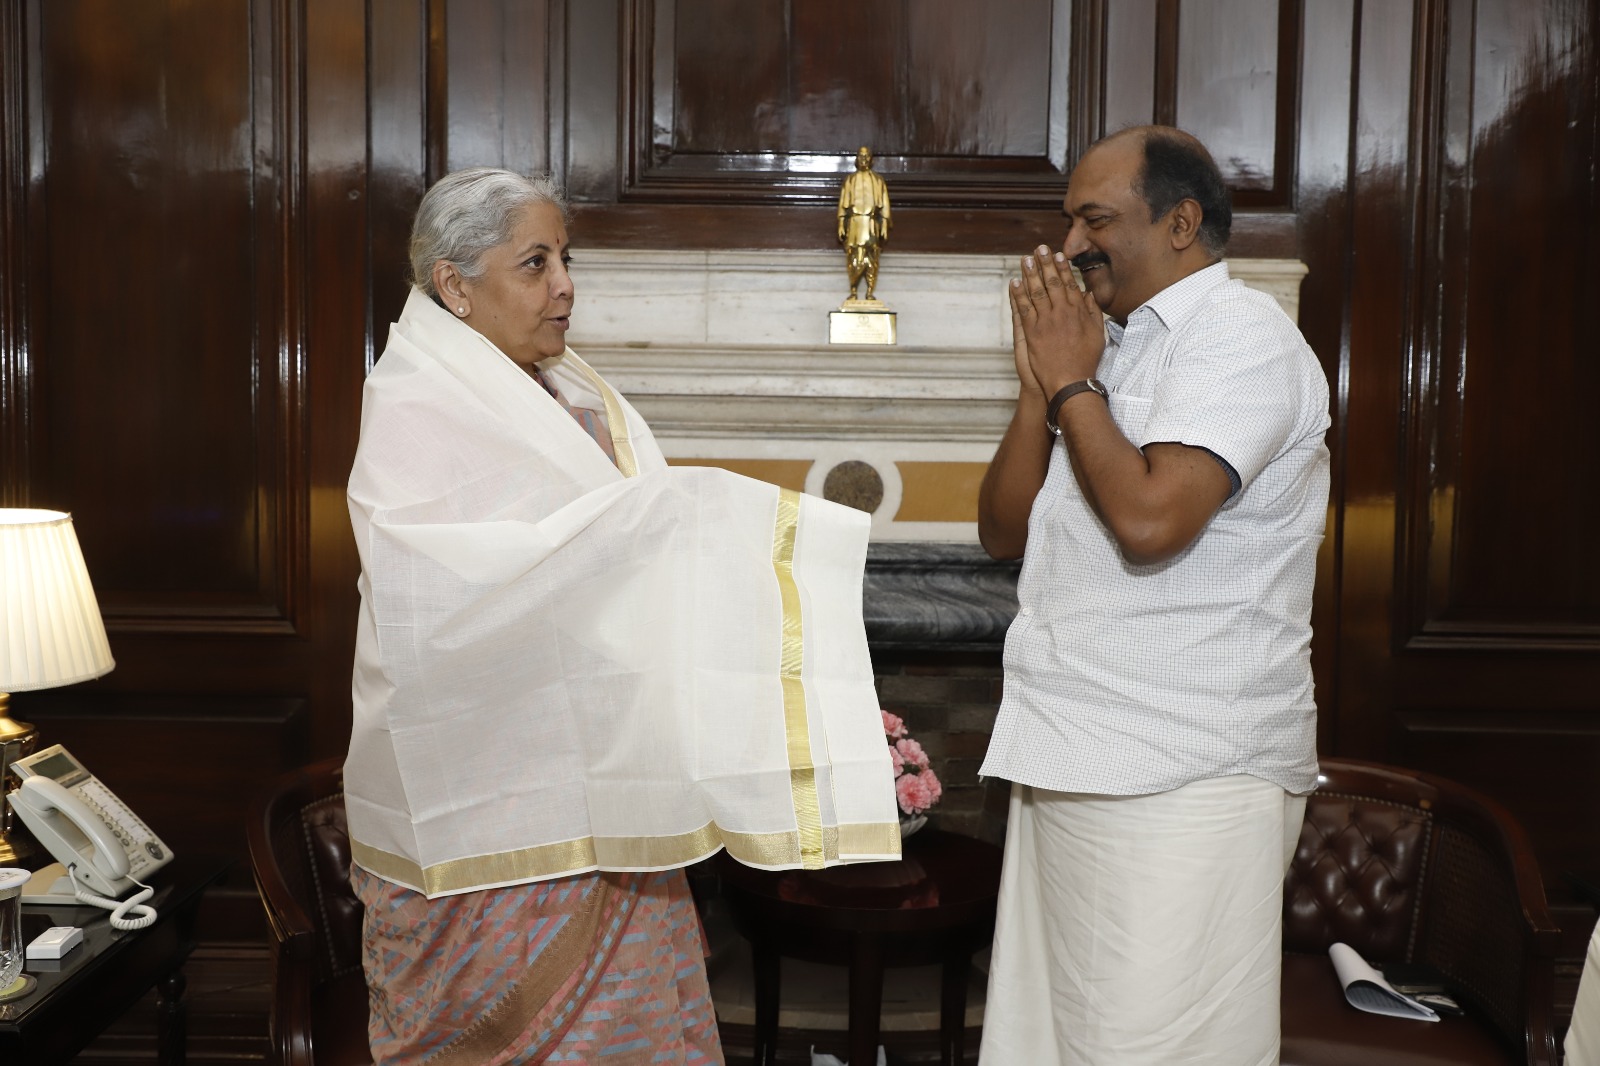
x=578, y=670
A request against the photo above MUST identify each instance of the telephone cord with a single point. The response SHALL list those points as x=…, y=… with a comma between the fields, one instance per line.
x=119, y=908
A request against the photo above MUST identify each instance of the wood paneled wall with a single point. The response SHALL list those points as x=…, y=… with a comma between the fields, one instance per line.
x=203, y=215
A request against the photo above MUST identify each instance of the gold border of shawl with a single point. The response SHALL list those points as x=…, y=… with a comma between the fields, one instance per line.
x=797, y=726
x=616, y=419
x=846, y=843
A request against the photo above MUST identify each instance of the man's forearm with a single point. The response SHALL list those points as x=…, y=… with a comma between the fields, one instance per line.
x=1013, y=480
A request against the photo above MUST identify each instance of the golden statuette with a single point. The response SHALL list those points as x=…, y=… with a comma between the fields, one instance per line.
x=863, y=229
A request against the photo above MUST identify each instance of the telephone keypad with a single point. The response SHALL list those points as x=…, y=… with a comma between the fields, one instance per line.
x=130, y=832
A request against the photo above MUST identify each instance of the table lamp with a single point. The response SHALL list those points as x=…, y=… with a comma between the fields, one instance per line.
x=50, y=632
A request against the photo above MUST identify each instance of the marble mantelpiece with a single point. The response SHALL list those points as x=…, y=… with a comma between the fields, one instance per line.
x=726, y=355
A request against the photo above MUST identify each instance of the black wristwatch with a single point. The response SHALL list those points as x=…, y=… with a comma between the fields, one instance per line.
x=1068, y=392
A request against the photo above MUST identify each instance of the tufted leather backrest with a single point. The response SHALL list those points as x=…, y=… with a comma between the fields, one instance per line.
x=1357, y=876
x=300, y=853
x=326, y=842
x=309, y=853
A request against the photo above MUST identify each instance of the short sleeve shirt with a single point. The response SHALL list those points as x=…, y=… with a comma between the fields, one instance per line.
x=1127, y=679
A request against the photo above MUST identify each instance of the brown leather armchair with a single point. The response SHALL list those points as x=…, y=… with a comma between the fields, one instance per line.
x=300, y=851
x=1408, y=867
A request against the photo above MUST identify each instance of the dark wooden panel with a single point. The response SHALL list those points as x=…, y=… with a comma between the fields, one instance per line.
x=1377, y=232
x=1130, y=81
x=978, y=86
x=1008, y=231
x=769, y=105
x=1226, y=85
x=187, y=766
x=847, y=55
x=706, y=54
x=496, y=51
x=1493, y=750
x=148, y=142
x=16, y=415
x=198, y=664
x=969, y=109
x=340, y=210
x=1229, y=71
x=1503, y=541
x=595, y=151
x=160, y=406
x=1465, y=613
x=935, y=77
x=1321, y=192
x=397, y=167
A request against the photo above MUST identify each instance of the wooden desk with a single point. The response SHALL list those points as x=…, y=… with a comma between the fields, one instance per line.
x=79, y=996
x=936, y=904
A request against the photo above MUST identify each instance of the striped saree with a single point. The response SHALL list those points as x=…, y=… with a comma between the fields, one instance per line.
x=604, y=968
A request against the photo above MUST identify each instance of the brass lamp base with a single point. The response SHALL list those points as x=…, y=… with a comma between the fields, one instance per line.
x=16, y=740
x=14, y=849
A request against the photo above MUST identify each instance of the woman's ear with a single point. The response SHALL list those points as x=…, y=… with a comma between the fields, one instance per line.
x=1186, y=219
x=451, y=287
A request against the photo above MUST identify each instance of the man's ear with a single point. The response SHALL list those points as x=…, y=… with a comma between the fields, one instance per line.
x=1185, y=228
x=450, y=285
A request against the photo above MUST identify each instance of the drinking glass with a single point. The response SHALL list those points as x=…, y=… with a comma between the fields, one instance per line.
x=11, y=946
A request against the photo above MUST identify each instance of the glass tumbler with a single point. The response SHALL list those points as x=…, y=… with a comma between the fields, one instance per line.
x=11, y=946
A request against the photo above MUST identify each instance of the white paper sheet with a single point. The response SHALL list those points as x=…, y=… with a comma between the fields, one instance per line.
x=1365, y=988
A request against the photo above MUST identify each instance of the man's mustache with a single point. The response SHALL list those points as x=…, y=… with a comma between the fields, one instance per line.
x=1089, y=259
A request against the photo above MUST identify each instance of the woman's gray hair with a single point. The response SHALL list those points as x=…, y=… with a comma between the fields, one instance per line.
x=469, y=212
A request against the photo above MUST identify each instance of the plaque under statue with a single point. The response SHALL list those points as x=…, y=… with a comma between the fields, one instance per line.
x=863, y=229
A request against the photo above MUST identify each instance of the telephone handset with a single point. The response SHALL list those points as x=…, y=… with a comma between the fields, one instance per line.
x=103, y=848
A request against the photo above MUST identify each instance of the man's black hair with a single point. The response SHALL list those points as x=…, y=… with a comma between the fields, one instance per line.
x=1178, y=168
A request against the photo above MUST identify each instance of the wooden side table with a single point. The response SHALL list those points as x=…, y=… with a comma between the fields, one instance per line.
x=936, y=905
x=78, y=996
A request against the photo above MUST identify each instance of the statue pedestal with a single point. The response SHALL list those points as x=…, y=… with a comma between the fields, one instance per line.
x=861, y=322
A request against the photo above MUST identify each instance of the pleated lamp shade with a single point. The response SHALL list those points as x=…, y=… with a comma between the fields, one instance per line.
x=50, y=628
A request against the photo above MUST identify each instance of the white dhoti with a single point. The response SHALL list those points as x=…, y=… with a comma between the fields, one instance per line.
x=1141, y=930
x=1583, y=1039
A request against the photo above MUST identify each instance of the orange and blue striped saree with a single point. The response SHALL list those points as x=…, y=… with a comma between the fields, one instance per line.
x=602, y=967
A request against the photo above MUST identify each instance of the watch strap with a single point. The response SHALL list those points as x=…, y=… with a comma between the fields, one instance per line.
x=1066, y=393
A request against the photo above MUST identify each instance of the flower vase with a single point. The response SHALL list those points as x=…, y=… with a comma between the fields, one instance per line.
x=911, y=823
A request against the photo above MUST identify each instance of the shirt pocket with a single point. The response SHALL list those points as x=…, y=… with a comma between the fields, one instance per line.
x=1130, y=413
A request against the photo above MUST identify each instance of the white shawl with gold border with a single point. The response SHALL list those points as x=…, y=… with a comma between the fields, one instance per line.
x=564, y=665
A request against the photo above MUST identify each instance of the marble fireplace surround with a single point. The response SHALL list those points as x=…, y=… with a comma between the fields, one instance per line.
x=726, y=355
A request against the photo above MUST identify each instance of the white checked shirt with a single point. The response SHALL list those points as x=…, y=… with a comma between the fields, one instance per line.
x=1125, y=679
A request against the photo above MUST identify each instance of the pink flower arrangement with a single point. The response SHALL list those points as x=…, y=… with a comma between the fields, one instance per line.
x=915, y=785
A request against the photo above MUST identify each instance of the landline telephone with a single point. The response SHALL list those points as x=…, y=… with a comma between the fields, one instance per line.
x=101, y=847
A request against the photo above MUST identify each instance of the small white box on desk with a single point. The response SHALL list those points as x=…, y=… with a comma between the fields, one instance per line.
x=55, y=942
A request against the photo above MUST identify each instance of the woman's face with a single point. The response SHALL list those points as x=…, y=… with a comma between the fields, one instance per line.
x=523, y=300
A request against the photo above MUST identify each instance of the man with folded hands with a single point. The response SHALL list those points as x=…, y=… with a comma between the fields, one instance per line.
x=1165, y=480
